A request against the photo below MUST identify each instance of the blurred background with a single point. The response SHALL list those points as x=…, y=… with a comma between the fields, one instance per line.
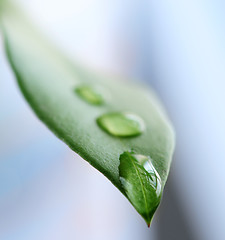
x=48, y=192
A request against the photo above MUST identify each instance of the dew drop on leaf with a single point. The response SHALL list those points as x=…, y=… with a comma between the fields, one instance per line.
x=141, y=183
x=89, y=94
x=121, y=124
x=154, y=178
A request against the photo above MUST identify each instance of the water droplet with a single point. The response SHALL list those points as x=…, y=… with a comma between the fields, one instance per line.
x=141, y=183
x=90, y=94
x=121, y=124
x=153, y=176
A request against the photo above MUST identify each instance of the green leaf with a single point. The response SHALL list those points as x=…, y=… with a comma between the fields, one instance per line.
x=93, y=114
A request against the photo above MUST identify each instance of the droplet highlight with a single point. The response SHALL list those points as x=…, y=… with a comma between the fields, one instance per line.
x=121, y=124
x=90, y=94
x=141, y=183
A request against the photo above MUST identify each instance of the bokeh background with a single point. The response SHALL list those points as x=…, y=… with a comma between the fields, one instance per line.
x=48, y=192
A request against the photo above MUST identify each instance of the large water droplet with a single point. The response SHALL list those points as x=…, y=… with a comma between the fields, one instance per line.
x=90, y=94
x=121, y=124
x=153, y=176
x=141, y=183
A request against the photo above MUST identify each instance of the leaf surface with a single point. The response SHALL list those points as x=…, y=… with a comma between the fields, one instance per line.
x=49, y=81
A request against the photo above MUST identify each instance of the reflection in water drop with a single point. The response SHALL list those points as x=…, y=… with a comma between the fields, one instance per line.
x=89, y=94
x=141, y=183
x=154, y=178
x=121, y=124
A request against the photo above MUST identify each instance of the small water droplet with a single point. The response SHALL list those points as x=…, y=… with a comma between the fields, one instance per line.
x=121, y=124
x=141, y=183
x=90, y=94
